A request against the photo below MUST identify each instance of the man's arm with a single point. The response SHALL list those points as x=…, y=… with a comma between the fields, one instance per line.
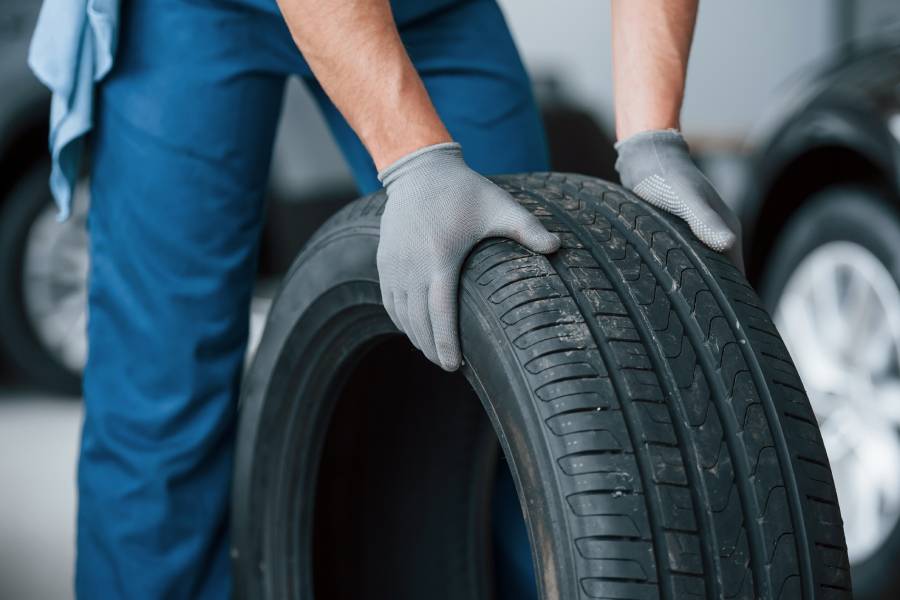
x=651, y=44
x=437, y=208
x=355, y=52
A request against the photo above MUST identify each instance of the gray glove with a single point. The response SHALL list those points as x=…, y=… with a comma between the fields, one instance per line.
x=657, y=166
x=437, y=210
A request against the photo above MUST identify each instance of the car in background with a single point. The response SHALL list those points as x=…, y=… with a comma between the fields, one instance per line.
x=822, y=232
x=44, y=264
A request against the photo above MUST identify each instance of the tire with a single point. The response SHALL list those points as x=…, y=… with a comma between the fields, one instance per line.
x=19, y=342
x=864, y=218
x=659, y=438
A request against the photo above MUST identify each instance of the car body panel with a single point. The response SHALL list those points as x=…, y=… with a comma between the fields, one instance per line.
x=846, y=114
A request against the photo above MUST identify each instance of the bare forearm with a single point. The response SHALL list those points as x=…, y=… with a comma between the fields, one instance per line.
x=651, y=42
x=355, y=51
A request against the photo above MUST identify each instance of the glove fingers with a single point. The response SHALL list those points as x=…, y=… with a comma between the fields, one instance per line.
x=712, y=229
x=720, y=208
x=401, y=310
x=736, y=252
x=703, y=221
x=420, y=324
x=526, y=229
x=736, y=255
x=442, y=305
x=387, y=298
x=709, y=227
x=387, y=290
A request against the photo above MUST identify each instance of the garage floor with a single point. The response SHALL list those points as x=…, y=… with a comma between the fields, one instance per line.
x=38, y=449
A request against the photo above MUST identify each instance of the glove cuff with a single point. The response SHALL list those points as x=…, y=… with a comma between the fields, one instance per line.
x=640, y=151
x=429, y=157
x=653, y=135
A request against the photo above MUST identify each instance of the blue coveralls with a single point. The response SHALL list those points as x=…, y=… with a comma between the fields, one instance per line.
x=181, y=149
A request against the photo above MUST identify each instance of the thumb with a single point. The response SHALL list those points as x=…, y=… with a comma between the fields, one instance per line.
x=523, y=227
x=443, y=309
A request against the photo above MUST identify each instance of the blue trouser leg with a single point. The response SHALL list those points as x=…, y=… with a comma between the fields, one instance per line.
x=181, y=154
x=184, y=130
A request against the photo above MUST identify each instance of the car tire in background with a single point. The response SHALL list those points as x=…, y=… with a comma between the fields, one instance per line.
x=832, y=282
x=659, y=438
x=43, y=292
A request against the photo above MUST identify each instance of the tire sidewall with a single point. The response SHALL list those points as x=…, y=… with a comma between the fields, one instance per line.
x=867, y=217
x=344, y=259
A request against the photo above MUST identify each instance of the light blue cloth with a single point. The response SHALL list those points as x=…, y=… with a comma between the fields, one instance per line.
x=72, y=48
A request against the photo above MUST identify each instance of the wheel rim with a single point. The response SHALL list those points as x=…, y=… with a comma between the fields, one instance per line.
x=54, y=281
x=839, y=315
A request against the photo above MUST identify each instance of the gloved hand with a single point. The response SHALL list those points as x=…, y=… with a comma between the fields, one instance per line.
x=437, y=210
x=657, y=166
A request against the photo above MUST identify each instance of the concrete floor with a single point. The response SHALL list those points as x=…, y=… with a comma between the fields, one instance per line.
x=38, y=449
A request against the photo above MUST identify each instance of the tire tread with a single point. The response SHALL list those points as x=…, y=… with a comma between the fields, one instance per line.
x=685, y=445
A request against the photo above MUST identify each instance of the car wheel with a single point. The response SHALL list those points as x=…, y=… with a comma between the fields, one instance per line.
x=43, y=292
x=833, y=284
x=658, y=437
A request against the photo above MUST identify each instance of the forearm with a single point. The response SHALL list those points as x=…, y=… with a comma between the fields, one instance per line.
x=355, y=52
x=651, y=42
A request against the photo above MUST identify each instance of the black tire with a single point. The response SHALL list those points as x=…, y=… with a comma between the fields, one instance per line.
x=869, y=218
x=660, y=439
x=18, y=341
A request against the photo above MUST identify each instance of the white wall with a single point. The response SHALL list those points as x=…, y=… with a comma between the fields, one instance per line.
x=742, y=52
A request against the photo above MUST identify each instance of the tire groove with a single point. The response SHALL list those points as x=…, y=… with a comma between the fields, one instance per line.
x=694, y=332
x=603, y=349
x=807, y=580
x=660, y=546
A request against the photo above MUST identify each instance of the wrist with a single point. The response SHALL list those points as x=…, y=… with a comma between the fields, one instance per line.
x=433, y=157
x=388, y=150
x=647, y=113
x=626, y=129
x=404, y=120
x=668, y=135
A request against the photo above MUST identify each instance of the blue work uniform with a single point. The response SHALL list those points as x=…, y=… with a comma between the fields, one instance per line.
x=183, y=126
